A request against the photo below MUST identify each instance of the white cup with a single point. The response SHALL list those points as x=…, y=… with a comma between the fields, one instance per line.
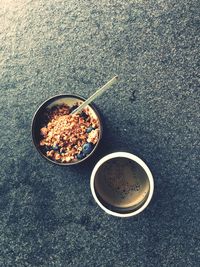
x=124, y=179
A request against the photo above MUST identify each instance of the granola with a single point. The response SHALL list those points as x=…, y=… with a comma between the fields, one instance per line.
x=69, y=137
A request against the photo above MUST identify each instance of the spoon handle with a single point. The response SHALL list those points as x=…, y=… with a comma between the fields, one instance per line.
x=95, y=95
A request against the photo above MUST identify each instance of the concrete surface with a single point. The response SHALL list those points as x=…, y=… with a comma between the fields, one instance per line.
x=47, y=214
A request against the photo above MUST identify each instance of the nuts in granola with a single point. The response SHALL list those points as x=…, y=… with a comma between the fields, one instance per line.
x=69, y=137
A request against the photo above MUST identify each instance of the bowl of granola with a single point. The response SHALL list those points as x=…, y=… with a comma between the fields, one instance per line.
x=64, y=138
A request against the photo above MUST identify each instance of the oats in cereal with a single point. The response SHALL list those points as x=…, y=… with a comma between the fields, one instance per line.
x=69, y=137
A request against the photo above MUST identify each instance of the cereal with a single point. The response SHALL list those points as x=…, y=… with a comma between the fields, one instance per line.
x=93, y=136
x=64, y=135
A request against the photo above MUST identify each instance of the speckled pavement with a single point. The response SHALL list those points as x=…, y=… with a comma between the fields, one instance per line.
x=47, y=214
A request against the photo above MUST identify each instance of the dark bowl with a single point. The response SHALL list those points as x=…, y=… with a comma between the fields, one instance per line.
x=38, y=123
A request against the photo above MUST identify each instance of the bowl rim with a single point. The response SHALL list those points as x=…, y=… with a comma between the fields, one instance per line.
x=135, y=159
x=54, y=98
